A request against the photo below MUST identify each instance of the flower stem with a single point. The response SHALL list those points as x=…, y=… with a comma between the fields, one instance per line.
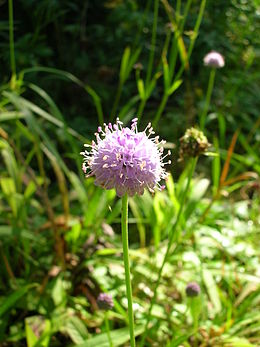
x=108, y=330
x=116, y=102
x=124, y=223
x=11, y=42
x=160, y=109
x=153, y=42
x=208, y=97
x=171, y=239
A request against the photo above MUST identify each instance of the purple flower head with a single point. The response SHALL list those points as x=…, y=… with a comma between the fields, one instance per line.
x=192, y=289
x=214, y=59
x=125, y=159
x=105, y=302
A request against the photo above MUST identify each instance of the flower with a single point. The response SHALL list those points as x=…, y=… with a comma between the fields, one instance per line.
x=105, y=302
x=193, y=143
x=214, y=59
x=192, y=289
x=125, y=159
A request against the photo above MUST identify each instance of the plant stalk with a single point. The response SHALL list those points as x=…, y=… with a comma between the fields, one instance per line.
x=153, y=42
x=116, y=102
x=172, y=238
x=11, y=41
x=124, y=224
x=108, y=330
x=208, y=98
x=160, y=110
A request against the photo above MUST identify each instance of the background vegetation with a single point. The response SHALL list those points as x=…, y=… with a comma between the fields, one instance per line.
x=74, y=64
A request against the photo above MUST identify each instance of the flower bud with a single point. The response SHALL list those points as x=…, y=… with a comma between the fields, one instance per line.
x=105, y=302
x=214, y=59
x=192, y=289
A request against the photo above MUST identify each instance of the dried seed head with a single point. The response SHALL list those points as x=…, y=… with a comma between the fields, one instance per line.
x=193, y=143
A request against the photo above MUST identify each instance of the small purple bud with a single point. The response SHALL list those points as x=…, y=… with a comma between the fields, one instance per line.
x=192, y=289
x=105, y=302
x=214, y=59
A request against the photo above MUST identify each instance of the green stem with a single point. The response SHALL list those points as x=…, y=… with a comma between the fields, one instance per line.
x=11, y=38
x=108, y=330
x=151, y=56
x=208, y=97
x=173, y=60
x=124, y=222
x=173, y=57
x=117, y=98
x=197, y=26
x=171, y=240
x=141, y=109
x=143, y=20
x=193, y=38
x=160, y=110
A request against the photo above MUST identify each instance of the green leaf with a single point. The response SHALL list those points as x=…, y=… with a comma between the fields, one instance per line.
x=166, y=76
x=212, y=289
x=152, y=84
x=119, y=337
x=195, y=309
x=216, y=167
x=5, y=230
x=127, y=63
x=31, y=338
x=38, y=331
x=11, y=165
x=176, y=342
x=123, y=74
x=76, y=329
x=174, y=87
x=97, y=102
x=11, y=300
x=30, y=190
x=140, y=225
x=58, y=292
x=133, y=59
x=54, y=109
x=6, y=116
x=140, y=87
x=8, y=186
x=68, y=76
x=237, y=342
x=79, y=188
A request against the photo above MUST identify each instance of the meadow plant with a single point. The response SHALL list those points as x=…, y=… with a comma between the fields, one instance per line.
x=192, y=139
x=129, y=161
x=105, y=301
x=214, y=60
x=194, y=303
x=193, y=143
x=192, y=289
